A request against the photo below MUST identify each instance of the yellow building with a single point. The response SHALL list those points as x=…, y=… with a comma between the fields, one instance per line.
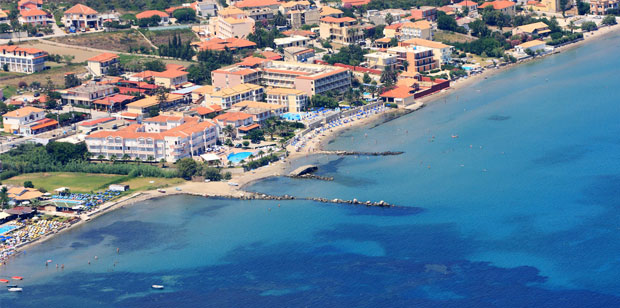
x=225, y=98
x=343, y=31
x=294, y=100
x=143, y=106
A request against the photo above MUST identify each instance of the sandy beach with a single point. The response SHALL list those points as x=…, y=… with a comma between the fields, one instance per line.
x=314, y=146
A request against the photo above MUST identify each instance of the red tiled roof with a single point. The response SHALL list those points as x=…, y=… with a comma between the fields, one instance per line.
x=271, y=55
x=104, y=57
x=233, y=116
x=249, y=127
x=355, y=2
x=221, y=44
x=252, y=61
x=299, y=32
x=15, y=48
x=467, y=3
x=33, y=12
x=169, y=74
x=151, y=13
x=201, y=110
x=399, y=92
x=337, y=20
x=96, y=121
x=43, y=124
x=498, y=5
x=81, y=9
x=256, y=3
x=172, y=66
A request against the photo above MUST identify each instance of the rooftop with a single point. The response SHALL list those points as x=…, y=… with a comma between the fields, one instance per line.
x=256, y=3
x=399, y=92
x=233, y=116
x=151, y=13
x=284, y=91
x=330, y=19
x=104, y=57
x=24, y=111
x=498, y=5
x=81, y=9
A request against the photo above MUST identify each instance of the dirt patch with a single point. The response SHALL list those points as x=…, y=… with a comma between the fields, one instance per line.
x=162, y=37
x=115, y=41
x=446, y=37
x=79, y=54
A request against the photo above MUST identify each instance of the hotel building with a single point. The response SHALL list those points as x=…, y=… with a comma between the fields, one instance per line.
x=163, y=137
x=294, y=100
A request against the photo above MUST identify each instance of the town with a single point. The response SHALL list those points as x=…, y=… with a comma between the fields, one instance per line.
x=101, y=103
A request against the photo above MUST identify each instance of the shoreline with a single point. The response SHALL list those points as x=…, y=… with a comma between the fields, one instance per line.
x=224, y=190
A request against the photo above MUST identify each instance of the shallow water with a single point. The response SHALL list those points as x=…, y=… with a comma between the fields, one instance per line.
x=521, y=210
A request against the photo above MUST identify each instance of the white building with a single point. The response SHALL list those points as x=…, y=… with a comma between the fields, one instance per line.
x=27, y=121
x=292, y=41
x=168, y=137
x=22, y=60
x=534, y=46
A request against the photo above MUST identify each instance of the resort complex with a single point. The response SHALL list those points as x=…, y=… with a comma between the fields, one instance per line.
x=106, y=104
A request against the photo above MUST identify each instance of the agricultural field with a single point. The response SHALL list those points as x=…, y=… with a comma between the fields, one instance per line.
x=120, y=41
x=162, y=37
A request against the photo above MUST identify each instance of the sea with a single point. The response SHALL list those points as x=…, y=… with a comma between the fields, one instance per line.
x=507, y=195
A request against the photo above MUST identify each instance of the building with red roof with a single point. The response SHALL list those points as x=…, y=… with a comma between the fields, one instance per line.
x=22, y=59
x=164, y=137
x=81, y=16
x=504, y=6
x=342, y=30
x=35, y=16
x=165, y=17
x=29, y=4
x=350, y=3
x=223, y=44
x=100, y=65
x=259, y=9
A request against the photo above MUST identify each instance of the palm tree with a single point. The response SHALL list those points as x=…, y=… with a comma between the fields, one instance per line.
x=251, y=157
x=4, y=197
x=137, y=159
x=100, y=157
x=150, y=158
x=113, y=158
x=163, y=162
x=260, y=153
x=229, y=131
x=571, y=26
x=125, y=157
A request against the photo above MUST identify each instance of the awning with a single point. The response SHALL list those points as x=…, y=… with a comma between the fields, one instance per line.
x=209, y=157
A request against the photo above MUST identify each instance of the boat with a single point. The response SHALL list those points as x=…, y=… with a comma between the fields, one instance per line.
x=15, y=289
x=12, y=286
x=157, y=286
x=17, y=277
x=4, y=280
x=161, y=191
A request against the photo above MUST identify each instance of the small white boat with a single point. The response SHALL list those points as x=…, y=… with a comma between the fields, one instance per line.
x=157, y=286
x=15, y=289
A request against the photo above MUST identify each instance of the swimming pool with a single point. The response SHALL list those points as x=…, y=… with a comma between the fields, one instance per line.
x=67, y=201
x=237, y=157
x=7, y=228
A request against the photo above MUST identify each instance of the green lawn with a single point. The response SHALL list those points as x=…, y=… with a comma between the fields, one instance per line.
x=9, y=91
x=87, y=182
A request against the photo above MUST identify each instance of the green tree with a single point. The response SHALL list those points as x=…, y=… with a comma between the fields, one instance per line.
x=389, y=19
x=588, y=26
x=187, y=168
x=366, y=79
x=28, y=184
x=184, y=15
x=4, y=197
x=71, y=81
x=609, y=20
x=446, y=22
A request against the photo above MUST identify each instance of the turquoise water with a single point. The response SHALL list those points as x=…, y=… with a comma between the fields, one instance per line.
x=521, y=210
x=5, y=229
x=237, y=157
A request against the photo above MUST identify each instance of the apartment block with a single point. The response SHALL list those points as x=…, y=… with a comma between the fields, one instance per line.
x=226, y=97
x=22, y=60
x=86, y=94
x=100, y=65
x=163, y=137
x=294, y=100
x=418, y=58
x=343, y=31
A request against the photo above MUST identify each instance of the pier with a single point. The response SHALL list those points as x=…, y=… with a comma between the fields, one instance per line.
x=354, y=153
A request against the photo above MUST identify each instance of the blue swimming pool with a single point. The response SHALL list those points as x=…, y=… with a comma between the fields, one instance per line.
x=237, y=157
x=5, y=229
x=68, y=201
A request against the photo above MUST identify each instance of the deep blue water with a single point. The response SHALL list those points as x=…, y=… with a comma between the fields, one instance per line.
x=521, y=210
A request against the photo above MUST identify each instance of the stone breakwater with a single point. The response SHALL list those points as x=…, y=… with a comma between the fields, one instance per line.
x=258, y=196
x=313, y=177
x=353, y=153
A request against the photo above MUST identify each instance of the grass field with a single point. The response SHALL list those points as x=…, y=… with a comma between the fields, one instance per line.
x=9, y=90
x=56, y=73
x=87, y=182
x=161, y=37
x=446, y=37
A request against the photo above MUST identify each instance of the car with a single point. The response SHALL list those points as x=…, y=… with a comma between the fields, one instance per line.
x=39, y=34
x=58, y=108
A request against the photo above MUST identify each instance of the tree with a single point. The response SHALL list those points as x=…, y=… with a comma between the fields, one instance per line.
x=389, y=19
x=150, y=158
x=609, y=20
x=125, y=157
x=393, y=42
x=388, y=77
x=563, y=4
x=4, y=197
x=446, y=22
x=583, y=8
x=49, y=85
x=279, y=20
x=4, y=28
x=155, y=65
x=162, y=96
x=588, y=26
x=28, y=184
x=324, y=101
x=366, y=79
x=229, y=131
x=184, y=15
x=5, y=67
x=187, y=167
x=71, y=81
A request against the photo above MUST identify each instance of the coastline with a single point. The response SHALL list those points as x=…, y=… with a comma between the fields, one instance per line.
x=223, y=189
